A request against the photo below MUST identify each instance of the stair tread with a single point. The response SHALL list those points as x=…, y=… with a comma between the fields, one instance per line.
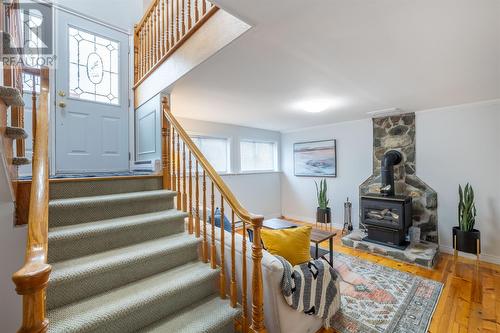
x=82, y=267
x=209, y=316
x=20, y=161
x=11, y=96
x=78, y=231
x=110, y=198
x=90, y=313
x=15, y=133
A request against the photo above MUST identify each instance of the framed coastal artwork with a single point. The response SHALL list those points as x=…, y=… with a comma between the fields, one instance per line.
x=315, y=158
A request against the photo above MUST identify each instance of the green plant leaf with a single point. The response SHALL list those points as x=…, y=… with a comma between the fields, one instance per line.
x=466, y=208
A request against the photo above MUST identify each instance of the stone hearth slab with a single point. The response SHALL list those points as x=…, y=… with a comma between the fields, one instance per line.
x=423, y=254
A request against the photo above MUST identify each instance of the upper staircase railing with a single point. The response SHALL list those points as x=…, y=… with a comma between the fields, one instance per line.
x=31, y=280
x=166, y=25
x=184, y=168
x=12, y=74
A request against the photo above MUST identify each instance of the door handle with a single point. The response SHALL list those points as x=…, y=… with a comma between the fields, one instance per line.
x=62, y=104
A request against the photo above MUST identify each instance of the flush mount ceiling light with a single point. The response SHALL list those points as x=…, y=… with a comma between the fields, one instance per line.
x=317, y=105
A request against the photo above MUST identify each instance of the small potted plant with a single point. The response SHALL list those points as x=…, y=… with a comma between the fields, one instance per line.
x=465, y=237
x=323, y=212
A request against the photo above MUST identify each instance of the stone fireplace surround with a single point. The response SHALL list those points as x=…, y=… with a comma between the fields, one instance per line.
x=398, y=133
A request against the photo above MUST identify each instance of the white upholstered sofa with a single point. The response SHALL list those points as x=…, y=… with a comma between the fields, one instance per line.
x=279, y=316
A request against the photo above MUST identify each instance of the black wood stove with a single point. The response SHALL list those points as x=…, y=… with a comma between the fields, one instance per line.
x=387, y=216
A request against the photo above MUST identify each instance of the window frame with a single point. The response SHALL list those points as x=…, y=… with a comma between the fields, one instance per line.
x=193, y=135
x=275, y=156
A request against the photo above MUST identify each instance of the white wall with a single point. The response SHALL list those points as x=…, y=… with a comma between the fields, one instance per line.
x=258, y=192
x=454, y=145
x=145, y=4
x=354, y=165
x=12, y=249
x=457, y=145
x=120, y=13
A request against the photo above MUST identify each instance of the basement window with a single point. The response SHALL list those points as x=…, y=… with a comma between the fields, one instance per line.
x=215, y=150
x=258, y=156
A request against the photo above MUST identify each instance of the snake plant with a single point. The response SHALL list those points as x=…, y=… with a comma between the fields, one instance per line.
x=466, y=208
x=321, y=194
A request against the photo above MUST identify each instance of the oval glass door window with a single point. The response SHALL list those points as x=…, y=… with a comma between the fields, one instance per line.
x=93, y=67
x=95, y=70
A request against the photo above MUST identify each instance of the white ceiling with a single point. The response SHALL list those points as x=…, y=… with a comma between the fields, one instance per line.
x=368, y=55
x=120, y=13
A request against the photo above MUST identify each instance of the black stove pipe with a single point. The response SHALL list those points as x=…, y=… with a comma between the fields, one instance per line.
x=390, y=159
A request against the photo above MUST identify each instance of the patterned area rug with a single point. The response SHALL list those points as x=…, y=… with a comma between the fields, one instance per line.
x=378, y=299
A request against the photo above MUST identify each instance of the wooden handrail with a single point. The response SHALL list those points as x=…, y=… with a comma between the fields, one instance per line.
x=171, y=126
x=31, y=280
x=163, y=29
x=211, y=173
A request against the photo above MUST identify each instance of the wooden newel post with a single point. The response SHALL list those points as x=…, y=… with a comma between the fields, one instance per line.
x=33, y=291
x=257, y=285
x=165, y=146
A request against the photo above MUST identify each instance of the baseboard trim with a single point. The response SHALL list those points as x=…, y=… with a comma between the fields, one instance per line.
x=273, y=216
x=482, y=257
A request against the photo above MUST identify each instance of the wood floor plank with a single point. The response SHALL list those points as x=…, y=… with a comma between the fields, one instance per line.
x=475, y=318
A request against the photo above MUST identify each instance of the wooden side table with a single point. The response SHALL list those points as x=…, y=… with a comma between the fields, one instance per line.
x=319, y=236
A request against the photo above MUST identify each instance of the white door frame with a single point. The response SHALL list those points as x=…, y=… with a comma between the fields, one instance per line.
x=52, y=82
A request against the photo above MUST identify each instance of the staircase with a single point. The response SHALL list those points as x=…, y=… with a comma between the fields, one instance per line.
x=122, y=262
x=112, y=255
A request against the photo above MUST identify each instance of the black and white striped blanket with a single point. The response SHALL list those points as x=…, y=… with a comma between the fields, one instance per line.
x=311, y=288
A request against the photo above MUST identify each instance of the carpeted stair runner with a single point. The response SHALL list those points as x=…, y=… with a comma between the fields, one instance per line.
x=122, y=262
x=88, y=209
x=78, y=240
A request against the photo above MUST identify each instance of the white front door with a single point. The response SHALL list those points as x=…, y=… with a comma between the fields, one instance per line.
x=91, y=112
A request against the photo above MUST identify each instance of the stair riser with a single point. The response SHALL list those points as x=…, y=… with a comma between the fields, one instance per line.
x=142, y=315
x=109, y=278
x=70, y=215
x=74, y=189
x=229, y=327
x=79, y=246
x=212, y=315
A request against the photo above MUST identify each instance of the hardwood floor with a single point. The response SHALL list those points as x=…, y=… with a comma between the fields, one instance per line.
x=470, y=301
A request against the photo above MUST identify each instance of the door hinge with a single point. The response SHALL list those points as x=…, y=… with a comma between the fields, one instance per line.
x=129, y=103
x=129, y=156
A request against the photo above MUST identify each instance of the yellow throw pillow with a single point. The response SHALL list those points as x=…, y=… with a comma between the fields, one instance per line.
x=292, y=244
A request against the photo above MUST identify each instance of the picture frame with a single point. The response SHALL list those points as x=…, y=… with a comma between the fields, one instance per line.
x=315, y=158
